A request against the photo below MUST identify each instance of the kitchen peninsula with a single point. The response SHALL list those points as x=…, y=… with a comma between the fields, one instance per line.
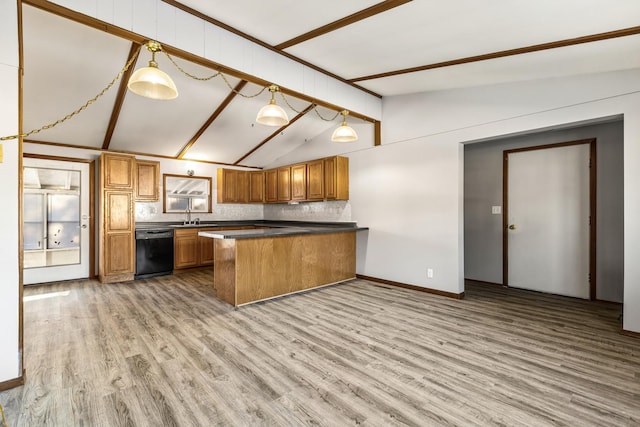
x=254, y=265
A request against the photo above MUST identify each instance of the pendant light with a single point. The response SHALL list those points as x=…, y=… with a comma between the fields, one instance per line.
x=272, y=114
x=151, y=82
x=344, y=133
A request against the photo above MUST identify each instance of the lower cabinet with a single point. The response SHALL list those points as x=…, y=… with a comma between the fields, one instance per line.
x=185, y=248
x=191, y=250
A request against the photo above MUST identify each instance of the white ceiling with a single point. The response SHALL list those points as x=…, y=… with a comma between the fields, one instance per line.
x=67, y=63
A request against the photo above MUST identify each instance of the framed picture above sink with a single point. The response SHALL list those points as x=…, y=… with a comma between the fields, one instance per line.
x=184, y=193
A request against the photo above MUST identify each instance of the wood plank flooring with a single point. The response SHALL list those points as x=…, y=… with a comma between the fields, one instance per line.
x=165, y=352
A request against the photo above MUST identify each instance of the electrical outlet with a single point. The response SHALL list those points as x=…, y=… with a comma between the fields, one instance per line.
x=429, y=273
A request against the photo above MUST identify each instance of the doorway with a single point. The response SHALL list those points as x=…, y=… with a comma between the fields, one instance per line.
x=57, y=219
x=549, y=218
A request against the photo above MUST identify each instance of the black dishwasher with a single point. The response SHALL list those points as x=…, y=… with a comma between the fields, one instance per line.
x=154, y=252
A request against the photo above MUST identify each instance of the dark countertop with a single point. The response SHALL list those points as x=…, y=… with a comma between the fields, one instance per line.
x=279, y=231
x=231, y=223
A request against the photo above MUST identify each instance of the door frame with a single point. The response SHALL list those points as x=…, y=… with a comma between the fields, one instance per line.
x=92, y=201
x=592, y=207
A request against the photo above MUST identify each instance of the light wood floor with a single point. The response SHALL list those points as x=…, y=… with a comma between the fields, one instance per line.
x=165, y=351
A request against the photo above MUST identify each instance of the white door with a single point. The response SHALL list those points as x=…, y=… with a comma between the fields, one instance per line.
x=55, y=220
x=548, y=220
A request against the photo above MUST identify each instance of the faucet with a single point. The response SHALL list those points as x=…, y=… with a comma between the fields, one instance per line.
x=188, y=215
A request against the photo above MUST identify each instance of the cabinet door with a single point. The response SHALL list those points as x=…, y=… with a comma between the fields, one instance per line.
x=284, y=184
x=205, y=246
x=336, y=178
x=256, y=187
x=271, y=185
x=118, y=215
x=228, y=181
x=118, y=171
x=299, y=182
x=242, y=187
x=315, y=180
x=119, y=258
x=147, y=180
x=185, y=248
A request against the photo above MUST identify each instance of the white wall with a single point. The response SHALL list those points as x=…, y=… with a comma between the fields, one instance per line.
x=409, y=191
x=9, y=254
x=483, y=189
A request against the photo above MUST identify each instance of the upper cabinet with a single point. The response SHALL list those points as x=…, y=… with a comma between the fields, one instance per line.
x=256, y=187
x=322, y=179
x=284, y=184
x=271, y=186
x=147, y=181
x=336, y=178
x=118, y=171
x=299, y=182
x=233, y=186
x=315, y=180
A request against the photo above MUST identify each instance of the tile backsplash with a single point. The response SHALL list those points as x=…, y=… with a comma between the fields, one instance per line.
x=307, y=211
x=312, y=211
x=152, y=212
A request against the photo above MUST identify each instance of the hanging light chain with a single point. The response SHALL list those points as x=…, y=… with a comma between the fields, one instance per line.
x=183, y=71
x=218, y=73
x=82, y=108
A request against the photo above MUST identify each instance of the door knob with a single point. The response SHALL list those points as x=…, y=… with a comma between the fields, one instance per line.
x=512, y=227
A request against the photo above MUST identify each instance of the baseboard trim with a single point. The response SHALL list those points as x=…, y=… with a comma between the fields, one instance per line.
x=630, y=333
x=412, y=287
x=482, y=282
x=16, y=382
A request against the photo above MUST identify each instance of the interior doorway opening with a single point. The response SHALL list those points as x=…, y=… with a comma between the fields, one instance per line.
x=483, y=204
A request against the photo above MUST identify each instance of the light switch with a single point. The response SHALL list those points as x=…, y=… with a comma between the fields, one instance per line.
x=496, y=210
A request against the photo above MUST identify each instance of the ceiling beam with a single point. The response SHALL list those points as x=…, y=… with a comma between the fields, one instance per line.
x=210, y=120
x=235, y=31
x=343, y=22
x=133, y=153
x=122, y=92
x=276, y=133
x=187, y=56
x=510, y=52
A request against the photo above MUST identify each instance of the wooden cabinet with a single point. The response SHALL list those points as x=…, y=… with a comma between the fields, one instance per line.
x=191, y=250
x=271, y=186
x=284, y=183
x=336, y=178
x=147, y=180
x=117, y=218
x=315, y=180
x=299, y=182
x=322, y=179
x=256, y=187
x=185, y=248
x=232, y=186
x=205, y=247
x=117, y=171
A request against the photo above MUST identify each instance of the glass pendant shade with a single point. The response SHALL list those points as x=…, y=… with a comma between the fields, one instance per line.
x=344, y=133
x=151, y=82
x=272, y=115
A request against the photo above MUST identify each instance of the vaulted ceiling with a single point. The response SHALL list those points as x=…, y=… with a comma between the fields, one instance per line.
x=388, y=48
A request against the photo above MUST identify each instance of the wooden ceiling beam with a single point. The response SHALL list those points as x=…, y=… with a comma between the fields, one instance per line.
x=274, y=134
x=211, y=119
x=132, y=153
x=343, y=22
x=122, y=92
x=510, y=52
